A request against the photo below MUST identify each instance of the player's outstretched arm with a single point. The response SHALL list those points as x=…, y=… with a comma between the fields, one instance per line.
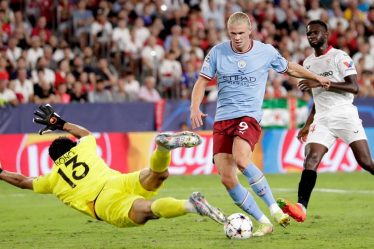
x=15, y=179
x=298, y=71
x=76, y=130
x=196, y=99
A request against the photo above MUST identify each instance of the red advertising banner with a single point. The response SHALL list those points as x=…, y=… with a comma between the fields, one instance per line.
x=28, y=154
x=125, y=152
x=339, y=157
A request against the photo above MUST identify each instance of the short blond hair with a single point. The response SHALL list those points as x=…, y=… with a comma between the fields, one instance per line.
x=239, y=18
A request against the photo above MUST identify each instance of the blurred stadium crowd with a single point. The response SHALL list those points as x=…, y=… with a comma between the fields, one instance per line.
x=113, y=51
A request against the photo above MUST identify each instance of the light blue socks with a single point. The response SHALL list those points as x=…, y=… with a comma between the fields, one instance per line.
x=245, y=201
x=259, y=184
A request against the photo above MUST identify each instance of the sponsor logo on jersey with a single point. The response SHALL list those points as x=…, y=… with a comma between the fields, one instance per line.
x=348, y=64
x=238, y=80
x=325, y=74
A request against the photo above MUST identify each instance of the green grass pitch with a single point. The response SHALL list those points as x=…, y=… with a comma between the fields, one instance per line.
x=340, y=216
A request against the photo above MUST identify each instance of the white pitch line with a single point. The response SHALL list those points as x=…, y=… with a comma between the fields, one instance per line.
x=330, y=190
x=284, y=190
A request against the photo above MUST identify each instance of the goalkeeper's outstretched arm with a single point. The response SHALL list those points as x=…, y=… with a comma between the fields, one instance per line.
x=76, y=130
x=16, y=179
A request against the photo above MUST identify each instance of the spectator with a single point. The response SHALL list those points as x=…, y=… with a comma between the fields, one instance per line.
x=101, y=33
x=48, y=74
x=118, y=91
x=23, y=87
x=189, y=78
x=78, y=94
x=215, y=11
x=132, y=87
x=61, y=73
x=152, y=55
x=147, y=92
x=62, y=95
x=6, y=29
x=13, y=52
x=364, y=53
x=7, y=96
x=120, y=39
x=142, y=33
x=8, y=12
x=35, y=52
x=41, y=29
x=82, y=20
x=176, y=35
x=170, y=75
x=43, y=90
x=21, y=23
x=100, y=94
x=106, y=71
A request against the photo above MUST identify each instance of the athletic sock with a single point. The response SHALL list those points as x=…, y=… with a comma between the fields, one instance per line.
x=160, y=160
x=306, y=185
x=245, y=201
x=169, y=207
x=259, y=184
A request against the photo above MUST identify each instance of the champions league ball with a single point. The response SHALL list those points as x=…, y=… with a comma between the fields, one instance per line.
x=238, y=226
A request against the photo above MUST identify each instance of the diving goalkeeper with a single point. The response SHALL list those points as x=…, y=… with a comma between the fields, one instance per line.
x=82, y=180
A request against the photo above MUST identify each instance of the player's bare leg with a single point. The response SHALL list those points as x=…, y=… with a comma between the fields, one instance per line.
x=362, y=154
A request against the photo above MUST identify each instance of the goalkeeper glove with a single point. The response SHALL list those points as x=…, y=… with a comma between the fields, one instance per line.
x=47, y=116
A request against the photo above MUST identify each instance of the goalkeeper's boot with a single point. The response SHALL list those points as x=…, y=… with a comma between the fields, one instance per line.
x=282, y=218
x=172, y=141
x=205, y=209
x=263, y=229
x=296, y=211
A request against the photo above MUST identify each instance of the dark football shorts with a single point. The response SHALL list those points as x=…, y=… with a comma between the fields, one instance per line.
x=225, y=131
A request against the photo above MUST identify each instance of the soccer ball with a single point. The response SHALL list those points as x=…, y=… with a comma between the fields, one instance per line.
x=238, y=226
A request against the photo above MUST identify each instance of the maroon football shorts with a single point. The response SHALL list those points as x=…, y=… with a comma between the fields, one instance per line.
x=225, y=131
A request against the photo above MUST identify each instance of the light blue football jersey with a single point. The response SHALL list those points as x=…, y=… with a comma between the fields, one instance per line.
x=241, y=78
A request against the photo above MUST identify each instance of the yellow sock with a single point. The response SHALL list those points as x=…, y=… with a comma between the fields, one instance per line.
x=160, y=160
x=169, y=207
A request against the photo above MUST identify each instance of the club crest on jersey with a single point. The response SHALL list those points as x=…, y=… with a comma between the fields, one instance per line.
x=348, y=64
x=242, y=64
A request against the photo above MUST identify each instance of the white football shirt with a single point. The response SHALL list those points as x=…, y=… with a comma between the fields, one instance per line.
x=334, y=64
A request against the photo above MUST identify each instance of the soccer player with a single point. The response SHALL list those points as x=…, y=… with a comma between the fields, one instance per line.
x=241, y=67
x=332, y=116
x=82, y=180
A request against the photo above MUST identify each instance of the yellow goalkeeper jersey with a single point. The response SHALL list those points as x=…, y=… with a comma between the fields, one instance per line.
x=77, y=177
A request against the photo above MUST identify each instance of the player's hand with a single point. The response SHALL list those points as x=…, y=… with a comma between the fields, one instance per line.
x=45, y=115
x=306, y=85
x=324, y=82
x=303, y=134
x=197, y=118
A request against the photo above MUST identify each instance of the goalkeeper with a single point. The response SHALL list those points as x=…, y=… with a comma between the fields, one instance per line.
x=82, y=180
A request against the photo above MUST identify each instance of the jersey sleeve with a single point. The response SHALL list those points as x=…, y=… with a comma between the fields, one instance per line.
x=345, y=64
x=87, y=143
x=209, y=67
x=42, y=185
x=278, y=62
